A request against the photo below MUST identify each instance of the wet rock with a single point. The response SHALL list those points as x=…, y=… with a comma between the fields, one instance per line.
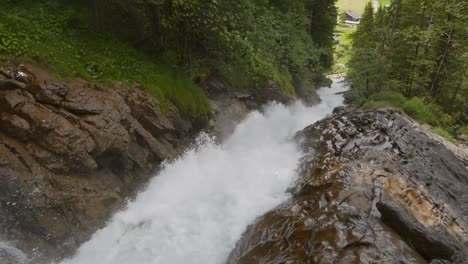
x=10, y=84
x=5, y=73
x=49, y=93
x=71, y=154
x=15, y=126
x=307, y=95
x=84, y=101
x=372, y=189
x=148, y=112
x=23, y=74
x=272, y=92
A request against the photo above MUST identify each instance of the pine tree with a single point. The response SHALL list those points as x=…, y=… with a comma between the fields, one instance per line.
x=364, y=57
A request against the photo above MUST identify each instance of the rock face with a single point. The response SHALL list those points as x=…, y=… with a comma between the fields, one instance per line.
x=71, y=153
x=372, y=189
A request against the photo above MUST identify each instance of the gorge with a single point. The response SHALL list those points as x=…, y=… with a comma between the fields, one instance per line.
x=237, y=132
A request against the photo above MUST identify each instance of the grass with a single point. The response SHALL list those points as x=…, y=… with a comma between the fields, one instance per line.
x=384, y=2
x=443, y=133
x=353, y=5
x=417, y=108
x=342, y=49
x=42, y=33
x=463, y=130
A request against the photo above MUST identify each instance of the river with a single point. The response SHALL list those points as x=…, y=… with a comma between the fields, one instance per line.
x=197, y=207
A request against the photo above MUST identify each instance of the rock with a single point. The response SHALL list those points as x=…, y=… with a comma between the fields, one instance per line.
x=431, y=245
x=372, y=189
x=49, y=93
x=272, y=92
x=71, y=154
x=15, y=126
x=9, y=100
x=10, y=84
x=308, y=96
x=146, y=110
x=244, y=97
x=24, y=75
x=84, y=101
x=5, y=73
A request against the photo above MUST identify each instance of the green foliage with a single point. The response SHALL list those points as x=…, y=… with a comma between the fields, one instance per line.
x=244, y=42
x=463, y=130
x=422, y=111
x=354, y=5
x=42, y=33
x=342, y=53
x=443, y=133
x=418, y=49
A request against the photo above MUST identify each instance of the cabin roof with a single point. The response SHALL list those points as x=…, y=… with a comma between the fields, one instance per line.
x=353, y=14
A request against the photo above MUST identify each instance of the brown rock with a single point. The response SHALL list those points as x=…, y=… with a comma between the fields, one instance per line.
x=146, y=110
x=84, y=101
x=5, y=73
x=10, y=84
x=48, y=93
x=372, y=189
x=272, y=92
x=70, y=155
x=9, y=100
x=15, y=126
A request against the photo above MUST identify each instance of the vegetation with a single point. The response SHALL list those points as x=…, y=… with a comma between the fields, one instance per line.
x=353, y=5
x=167, y=45
x=414, y=56
x=342, y=49
x=382, y=3
x=42, y=33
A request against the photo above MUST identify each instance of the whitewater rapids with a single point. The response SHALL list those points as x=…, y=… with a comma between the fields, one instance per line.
x=197, y=207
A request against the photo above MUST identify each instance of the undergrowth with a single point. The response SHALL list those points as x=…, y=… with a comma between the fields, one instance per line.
x=46, y=34
x=421, y=110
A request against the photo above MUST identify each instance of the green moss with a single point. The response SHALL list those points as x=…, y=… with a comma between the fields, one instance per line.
x=42, y=33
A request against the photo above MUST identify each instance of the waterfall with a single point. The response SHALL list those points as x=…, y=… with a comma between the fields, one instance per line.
x=198, y=206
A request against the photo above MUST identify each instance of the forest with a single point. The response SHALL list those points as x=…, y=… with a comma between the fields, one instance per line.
x=414, y=56
x=169, y=46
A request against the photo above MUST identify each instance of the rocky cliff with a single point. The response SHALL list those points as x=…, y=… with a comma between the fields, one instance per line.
x=373, y=188
x=72, y=153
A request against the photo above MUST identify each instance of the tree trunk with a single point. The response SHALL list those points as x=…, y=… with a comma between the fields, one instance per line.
x=96, y=15
x=441, y=63
x=413, y=69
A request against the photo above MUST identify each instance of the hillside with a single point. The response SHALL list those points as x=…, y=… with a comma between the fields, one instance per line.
x=171, y=47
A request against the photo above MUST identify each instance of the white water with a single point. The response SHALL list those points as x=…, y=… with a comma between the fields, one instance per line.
x=196, y=209
x=14, y=254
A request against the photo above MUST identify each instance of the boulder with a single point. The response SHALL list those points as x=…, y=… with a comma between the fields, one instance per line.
x=272, y=92
x=372, y=188
x=48, y=93
x=9, y=84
